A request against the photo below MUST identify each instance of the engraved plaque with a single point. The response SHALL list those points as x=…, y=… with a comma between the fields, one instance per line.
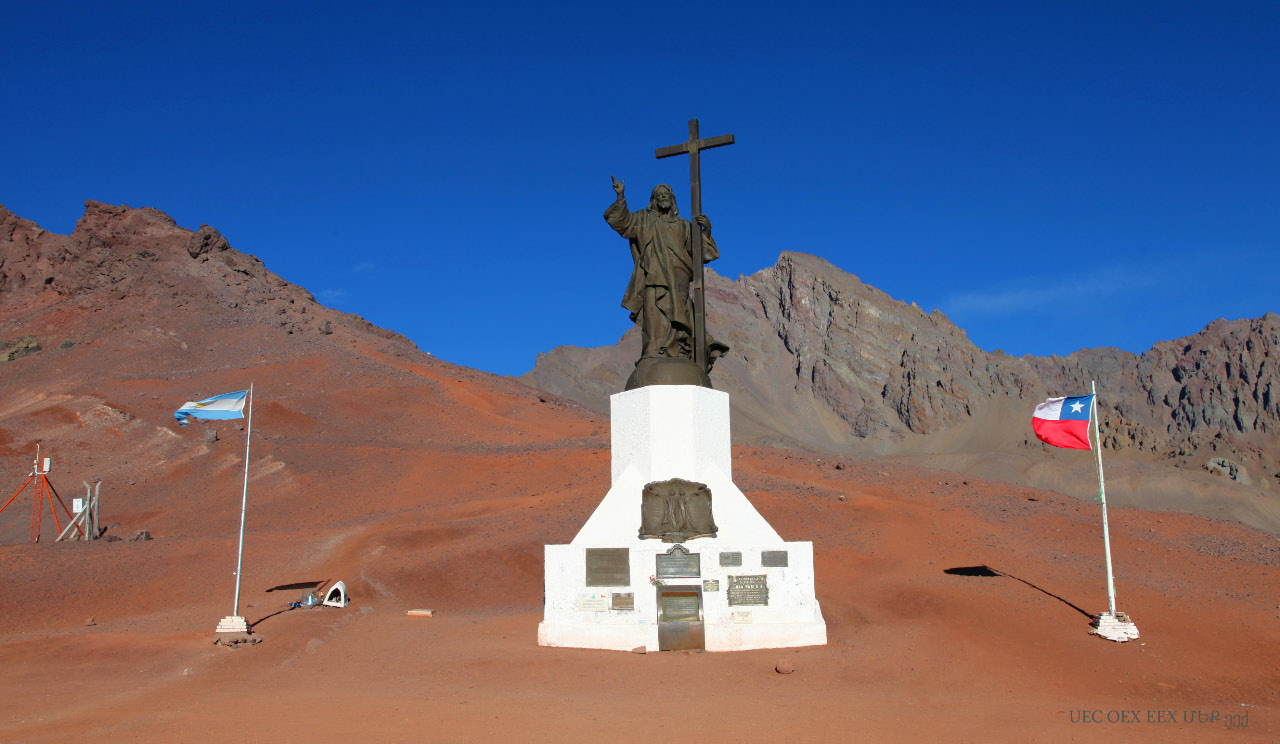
x=680, y=608
x=711, y=585
x=742, y=617
x=608, y=567
x=624, y=601
x=675, y=511
x=748, y=590
x=773, y=558
x=731, y=559
x=678, y=563
x=592, y=602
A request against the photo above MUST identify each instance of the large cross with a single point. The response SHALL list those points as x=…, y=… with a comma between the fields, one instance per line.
x=693, y=147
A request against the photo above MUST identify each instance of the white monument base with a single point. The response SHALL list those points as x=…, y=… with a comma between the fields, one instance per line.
x=233, y=624
x=752, y=589
x=1115, y=627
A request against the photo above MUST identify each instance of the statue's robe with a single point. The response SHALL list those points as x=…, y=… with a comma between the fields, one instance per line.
x=657, y=296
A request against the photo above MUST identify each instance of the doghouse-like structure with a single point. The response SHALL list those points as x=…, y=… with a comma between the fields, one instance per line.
x=336, y=596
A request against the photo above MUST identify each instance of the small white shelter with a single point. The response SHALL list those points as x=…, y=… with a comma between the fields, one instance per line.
x=336, y=596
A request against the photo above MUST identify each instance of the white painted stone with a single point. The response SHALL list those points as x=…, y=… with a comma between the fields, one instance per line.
x=658, y=433
x=1115, y=627
x=233, y=624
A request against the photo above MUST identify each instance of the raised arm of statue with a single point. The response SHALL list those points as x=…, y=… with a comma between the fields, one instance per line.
x=617, y=215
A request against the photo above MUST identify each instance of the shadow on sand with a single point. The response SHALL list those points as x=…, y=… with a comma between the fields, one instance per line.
x=989, y=572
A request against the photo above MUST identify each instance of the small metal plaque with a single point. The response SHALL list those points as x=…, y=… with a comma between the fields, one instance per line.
x=773, y=558
x=748, y=590
x=608, y=567
x=593, y=602
x=678, y=563
x=742, y=617
x=711, y=585
x=624, y=601
x=731, y=559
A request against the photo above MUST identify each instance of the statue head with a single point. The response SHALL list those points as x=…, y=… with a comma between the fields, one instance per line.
x=662, y=199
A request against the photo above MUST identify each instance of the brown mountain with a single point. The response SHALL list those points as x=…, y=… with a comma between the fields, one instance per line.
x=421, y=484
x=822, y=361
x=104, y=332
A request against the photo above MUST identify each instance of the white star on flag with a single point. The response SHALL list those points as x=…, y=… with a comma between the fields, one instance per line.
x=1077, y=407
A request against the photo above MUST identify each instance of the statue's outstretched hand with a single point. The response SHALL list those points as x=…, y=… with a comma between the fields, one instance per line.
x=618, y=186
x=705, y=223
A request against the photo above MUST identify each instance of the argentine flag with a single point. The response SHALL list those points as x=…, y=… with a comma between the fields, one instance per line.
x=225, y=406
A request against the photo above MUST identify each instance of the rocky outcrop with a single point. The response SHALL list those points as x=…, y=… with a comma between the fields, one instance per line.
x=822, y=360
x=142, y=257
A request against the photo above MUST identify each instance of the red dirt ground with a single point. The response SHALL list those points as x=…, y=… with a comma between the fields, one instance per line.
x=425, y=485
x=458, y=527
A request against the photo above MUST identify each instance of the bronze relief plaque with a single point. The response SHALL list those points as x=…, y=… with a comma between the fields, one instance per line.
x=773, y=558
x=748, y=590
x=731, y=559
x=608, y=567
x=711, y=585
x=675, y=511
x=623, y=601
x=678, y=563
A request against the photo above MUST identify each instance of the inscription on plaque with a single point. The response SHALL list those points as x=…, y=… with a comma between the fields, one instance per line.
x=711, y=585
x=748, y=590
x=773, y=558
x=731, y=559
x=593, y=602
x=682, y=607
x=742, y=617
x=608, y=567
x=624, y=601
x=678, y=563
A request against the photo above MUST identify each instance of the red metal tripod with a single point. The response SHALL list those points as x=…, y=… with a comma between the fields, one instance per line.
x=43, y=491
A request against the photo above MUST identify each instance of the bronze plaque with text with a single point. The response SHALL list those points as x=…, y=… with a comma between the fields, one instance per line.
x=678, y=563
x=748, y=590
x=624, y=601
x=773, y=558
x=608, y=567
x=731, y=559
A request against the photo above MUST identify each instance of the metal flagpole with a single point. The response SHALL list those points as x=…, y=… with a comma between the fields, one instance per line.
x=244, y=500
x=1102, y=495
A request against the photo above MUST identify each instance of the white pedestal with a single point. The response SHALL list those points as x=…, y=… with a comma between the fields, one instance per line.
x=677, y=431
x=1115, y=627
x=233, y=624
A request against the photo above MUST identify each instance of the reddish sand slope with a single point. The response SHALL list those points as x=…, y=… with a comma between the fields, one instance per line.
x=425, y=485
x=914, y=652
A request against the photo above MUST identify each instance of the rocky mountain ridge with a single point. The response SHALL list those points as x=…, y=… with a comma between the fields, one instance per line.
x=823, y=361
x=106, y=331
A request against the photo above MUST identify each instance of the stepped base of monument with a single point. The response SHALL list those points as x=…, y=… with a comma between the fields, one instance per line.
x=742, y=596
x=572, y=633
x=732, y=586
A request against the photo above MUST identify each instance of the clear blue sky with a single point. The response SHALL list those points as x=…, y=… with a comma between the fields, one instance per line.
x=1050, y=175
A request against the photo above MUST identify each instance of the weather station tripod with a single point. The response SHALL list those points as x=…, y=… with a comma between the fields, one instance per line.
x=42, y=491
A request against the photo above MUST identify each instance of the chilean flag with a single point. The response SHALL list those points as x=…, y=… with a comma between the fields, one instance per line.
x=1064, y=422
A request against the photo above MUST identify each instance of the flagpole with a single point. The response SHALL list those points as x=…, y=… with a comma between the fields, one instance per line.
x=244, y=500
x=1102, y=495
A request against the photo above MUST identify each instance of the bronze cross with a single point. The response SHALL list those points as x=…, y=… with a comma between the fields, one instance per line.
x=693, y=147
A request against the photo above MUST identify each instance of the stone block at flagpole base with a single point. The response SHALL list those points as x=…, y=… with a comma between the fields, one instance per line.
x=1117, y=627
x=233, y=624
